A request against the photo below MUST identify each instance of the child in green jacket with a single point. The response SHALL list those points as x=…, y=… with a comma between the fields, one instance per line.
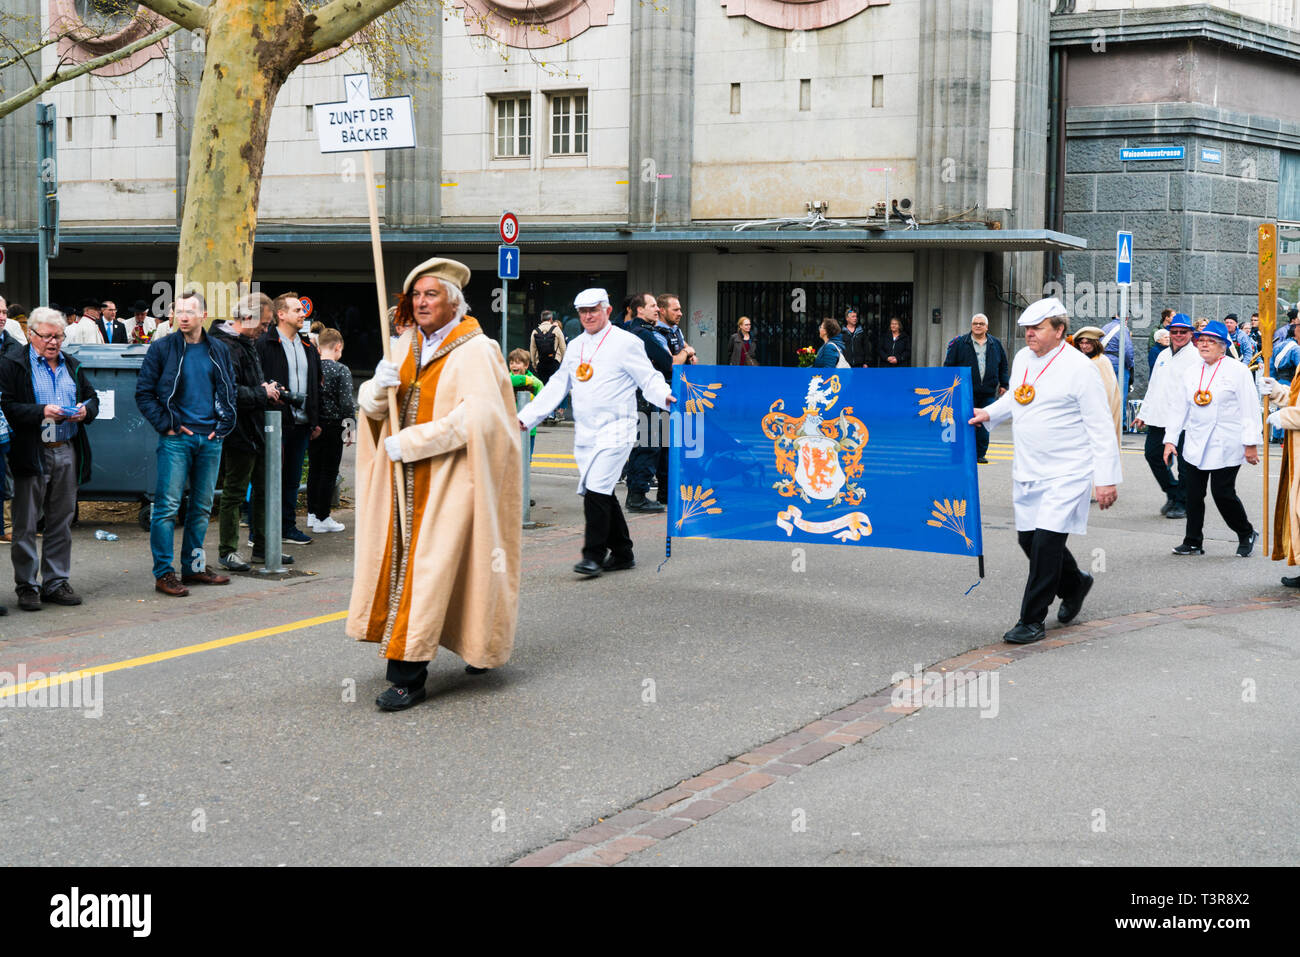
x=521, y=378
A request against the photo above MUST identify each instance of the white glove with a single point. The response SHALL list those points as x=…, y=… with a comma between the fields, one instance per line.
x=1275, y=420
x=393, y=446
x=387, y=375
x=1266, y=385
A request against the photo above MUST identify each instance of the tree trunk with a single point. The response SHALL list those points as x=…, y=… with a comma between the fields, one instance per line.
x=252, y=47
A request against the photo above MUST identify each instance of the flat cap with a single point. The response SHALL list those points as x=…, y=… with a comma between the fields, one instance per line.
x=448, y=270
x=1089, y=332
x=1043, y=309
x=591, y=297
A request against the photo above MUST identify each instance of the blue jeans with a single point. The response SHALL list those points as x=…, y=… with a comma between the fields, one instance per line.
x=296, y=438
x=181, y=459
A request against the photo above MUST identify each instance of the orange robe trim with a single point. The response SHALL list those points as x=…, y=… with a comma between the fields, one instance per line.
x=1286, y=520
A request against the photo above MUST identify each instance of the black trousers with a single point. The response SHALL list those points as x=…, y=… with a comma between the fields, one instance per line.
x=325, y=453
x=408, y=674
x=1154, y=451
x=1223, y=486
x=982, y=399
x=606, y=528
x=1053, y=573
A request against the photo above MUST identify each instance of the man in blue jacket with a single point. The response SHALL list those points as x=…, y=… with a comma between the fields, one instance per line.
x=989, y=373
x=186, y=390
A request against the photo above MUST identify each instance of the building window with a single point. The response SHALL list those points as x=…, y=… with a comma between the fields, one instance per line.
x=514, y=126
x=735, y=98
x=112, y=127
x=805, y=95
x=569, y=123
x=67, y=127
x=877, y=91
x=157, y=126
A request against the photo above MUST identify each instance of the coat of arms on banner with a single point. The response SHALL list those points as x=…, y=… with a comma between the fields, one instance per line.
x=818, y=459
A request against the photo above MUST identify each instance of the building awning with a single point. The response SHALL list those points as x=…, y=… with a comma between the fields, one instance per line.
x=611, y=239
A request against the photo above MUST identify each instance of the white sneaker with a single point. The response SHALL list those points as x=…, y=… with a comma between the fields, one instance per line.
x=329, y=525
x=312, y=521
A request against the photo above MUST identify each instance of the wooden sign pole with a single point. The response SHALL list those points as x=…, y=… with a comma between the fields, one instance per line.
x=1267, y=323
x=394, y=420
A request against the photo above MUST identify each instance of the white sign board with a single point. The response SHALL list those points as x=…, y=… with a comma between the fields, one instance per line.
x=360, y=123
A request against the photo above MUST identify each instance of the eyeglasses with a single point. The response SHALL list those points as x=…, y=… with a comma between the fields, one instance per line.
x=57, y=337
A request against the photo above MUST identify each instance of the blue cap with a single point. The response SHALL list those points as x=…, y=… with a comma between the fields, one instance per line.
x=1216, y=329
x=1181, y=320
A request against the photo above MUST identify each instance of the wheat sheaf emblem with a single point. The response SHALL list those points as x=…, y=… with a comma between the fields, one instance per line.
x=937, y=404
x=952, y=516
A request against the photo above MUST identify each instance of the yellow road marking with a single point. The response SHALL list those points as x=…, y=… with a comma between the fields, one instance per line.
x=551, y=455
x=64, y=678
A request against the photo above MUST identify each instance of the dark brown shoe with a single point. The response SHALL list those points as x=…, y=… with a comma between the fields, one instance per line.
x=169, y=584
x=206, y=577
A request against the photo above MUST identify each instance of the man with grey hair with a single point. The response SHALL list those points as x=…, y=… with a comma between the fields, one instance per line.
x=1065, y=445
x=603, y=370
x=445, y=573
x=242, y=452
x=48, y=400
x=987, y=360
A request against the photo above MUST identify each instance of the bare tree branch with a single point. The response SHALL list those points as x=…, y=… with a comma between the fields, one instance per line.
x=22, y=55
x=187, y=13
x=54, y=79
x=340, y=19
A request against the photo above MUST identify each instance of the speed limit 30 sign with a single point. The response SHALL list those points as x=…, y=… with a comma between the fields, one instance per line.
x=509, y=228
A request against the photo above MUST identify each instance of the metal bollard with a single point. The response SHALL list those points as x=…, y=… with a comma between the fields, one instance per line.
x=272, y=494
x=521, y=400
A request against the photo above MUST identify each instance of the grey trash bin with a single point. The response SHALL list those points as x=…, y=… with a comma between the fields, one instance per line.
x=124, y=462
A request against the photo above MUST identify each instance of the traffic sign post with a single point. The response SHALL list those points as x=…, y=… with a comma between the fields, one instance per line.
x=363, y=124
x=2, y=264
x=1123, y=279
x=507, y=268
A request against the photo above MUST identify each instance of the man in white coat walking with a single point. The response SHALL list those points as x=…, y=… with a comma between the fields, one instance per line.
x=603, y=369
x=1065, y=445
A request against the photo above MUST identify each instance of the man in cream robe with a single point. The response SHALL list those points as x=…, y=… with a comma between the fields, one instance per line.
x=1286, y=511
x=603, y=368
x=455, y=582
x=1064, y=447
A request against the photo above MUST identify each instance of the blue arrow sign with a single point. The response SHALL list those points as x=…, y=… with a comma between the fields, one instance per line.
x=1123, y=259
x=507, y=262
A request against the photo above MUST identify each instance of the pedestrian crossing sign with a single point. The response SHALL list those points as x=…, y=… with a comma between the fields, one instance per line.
x=1124, y=259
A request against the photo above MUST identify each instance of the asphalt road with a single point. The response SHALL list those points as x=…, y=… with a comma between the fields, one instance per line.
x=268, y=749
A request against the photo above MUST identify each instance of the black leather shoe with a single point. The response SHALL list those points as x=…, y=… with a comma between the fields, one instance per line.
x=587, y=567
x=471, y=670
x=63, y=595
x=1024, y=634
x=1164, y=509
x=259, y=557
x=613, y=564
x=1248, y=546
x=1185, y=549
x=1292, y=582
x=1070, y=606
x=1176, y=511
x=29, y=599
x=399, y=699
x=639, y=503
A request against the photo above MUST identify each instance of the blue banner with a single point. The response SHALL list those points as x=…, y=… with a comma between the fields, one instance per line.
x=878, y=457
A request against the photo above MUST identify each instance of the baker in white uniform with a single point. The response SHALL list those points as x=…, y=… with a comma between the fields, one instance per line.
x=1162, y=402
x=603, y=368
x=1064, y=446
x=1216, y=414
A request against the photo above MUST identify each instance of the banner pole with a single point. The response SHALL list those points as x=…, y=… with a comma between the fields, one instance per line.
x=1267, y=323
x=394, y=421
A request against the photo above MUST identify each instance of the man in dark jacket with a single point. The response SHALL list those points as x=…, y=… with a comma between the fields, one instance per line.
x=49, y=455
x=854, y=338
x=989, y=372
x=650, y=458
x=186, y=389
x=242, y=452
x=291, y=361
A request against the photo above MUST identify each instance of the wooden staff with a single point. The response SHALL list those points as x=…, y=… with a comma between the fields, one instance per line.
x=394, y=420
x=1267, y=323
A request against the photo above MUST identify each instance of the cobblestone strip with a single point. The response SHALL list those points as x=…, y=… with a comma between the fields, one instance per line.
x=657, y=818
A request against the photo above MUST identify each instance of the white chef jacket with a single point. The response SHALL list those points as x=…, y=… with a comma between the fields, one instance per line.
x=1064, y=439
x=1162, y=404
x=1217, y=434
x=604, y=407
